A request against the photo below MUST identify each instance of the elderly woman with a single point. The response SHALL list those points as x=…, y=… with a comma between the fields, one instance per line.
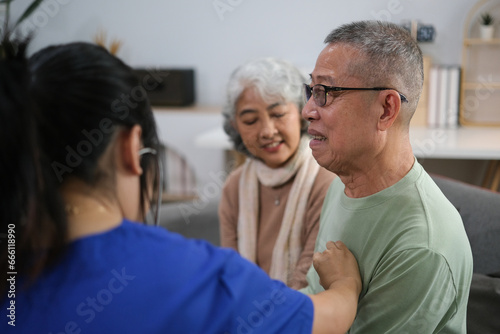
x=270, y=206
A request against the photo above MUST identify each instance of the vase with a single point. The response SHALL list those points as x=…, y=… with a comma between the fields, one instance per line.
x=486, y=32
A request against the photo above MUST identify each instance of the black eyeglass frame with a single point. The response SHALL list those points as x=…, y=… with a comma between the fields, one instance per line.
x=309, y=91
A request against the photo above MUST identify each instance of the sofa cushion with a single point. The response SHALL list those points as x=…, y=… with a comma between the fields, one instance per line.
x=484, y=305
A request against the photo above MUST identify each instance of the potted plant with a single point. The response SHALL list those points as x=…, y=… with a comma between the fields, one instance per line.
x=486, y=26
x=6, y=28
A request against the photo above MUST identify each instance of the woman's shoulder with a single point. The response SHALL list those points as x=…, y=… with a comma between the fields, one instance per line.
x=320, y=187
x=142, y=244
x=155, y=235
x=235, y=173
x=323, y=179
x=233, y=179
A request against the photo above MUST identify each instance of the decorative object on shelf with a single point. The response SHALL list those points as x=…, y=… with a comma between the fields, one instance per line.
x=480, y=82
x=421, y=32
x=100, y=38
x=486, y=27
x=168, y=87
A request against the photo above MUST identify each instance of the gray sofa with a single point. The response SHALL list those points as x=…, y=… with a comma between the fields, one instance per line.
x=193, y=219
x=480, y=211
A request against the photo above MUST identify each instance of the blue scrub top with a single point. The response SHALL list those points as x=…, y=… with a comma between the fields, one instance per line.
x=141, y=279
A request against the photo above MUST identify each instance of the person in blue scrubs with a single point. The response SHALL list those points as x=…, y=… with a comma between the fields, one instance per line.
x=79, y=161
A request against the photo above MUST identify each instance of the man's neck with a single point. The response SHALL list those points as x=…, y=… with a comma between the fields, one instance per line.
x=378, y=173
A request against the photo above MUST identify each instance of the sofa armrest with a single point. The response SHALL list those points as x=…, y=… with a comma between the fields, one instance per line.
x=484, y=305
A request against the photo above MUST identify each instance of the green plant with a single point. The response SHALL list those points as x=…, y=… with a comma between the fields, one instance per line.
x=27, y=12
x=486, y=19
x=7, y=45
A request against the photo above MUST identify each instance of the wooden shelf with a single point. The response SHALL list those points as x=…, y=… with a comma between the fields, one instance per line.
x=480, y=80
x=479, y=41
x=188, y=109
x=169, y=198
x=475, y=85
x=465, y=142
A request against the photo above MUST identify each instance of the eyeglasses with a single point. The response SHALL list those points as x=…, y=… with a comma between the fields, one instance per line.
x=152, y=177
x=320, y=92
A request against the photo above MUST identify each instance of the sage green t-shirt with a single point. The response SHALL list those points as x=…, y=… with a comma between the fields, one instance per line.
x=414, y=256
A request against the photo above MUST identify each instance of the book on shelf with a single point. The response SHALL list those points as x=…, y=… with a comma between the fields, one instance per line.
x=442, y=96
x=444, y=93
x=453, y=97
x=431, y=119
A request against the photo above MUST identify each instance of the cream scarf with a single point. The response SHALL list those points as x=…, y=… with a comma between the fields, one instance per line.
x=288, y=247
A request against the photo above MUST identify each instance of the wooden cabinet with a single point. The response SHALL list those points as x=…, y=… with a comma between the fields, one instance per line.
x=480, y=84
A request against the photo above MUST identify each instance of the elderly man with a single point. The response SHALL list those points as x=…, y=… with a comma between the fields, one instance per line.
x=413, y=253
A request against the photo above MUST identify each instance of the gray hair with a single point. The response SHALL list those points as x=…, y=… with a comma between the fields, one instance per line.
x=273, y=79
x=392, y=57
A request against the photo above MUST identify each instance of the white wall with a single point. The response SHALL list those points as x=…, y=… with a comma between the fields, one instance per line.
x=190, y=33
x=193, y=33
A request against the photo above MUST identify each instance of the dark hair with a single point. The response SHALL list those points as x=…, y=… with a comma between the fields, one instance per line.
x=84, y=96
x=32, y=223
x=85, y=93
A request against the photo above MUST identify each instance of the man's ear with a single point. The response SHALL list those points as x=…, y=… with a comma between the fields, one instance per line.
x=130, y=144
x=391, y=103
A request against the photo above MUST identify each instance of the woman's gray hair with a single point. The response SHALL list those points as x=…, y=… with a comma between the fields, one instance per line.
x=273, y=79
x=392, y=56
